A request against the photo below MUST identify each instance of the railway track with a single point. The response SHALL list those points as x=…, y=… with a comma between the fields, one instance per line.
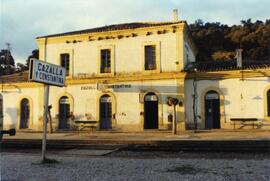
x=140, y=145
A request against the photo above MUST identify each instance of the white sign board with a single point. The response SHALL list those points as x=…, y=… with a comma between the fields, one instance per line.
x=46, y=73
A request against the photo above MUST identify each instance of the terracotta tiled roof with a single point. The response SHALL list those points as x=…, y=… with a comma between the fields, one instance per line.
x=226, y=65
x=114, y=28
x=17, y=77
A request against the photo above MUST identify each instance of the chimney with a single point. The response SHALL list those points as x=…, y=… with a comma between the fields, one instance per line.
x=175, y=15
x=239, y=60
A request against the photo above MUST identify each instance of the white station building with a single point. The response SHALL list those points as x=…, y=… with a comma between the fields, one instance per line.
x=119, y=78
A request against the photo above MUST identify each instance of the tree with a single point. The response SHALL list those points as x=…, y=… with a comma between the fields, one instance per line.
x=246, y=23
x=21, y=67
x=7, y=63
x=198, y=23
x=35, y=54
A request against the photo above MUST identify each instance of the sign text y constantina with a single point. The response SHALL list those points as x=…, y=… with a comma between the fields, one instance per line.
x=47, y=73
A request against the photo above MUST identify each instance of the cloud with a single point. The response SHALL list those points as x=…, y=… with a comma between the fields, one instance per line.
x=22, y=21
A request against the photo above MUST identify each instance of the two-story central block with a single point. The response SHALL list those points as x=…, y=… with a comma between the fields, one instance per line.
x=119, y=76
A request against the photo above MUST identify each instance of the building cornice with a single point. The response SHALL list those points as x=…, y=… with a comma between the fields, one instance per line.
x=129, y=78
x=241, y=74
x=103, y=79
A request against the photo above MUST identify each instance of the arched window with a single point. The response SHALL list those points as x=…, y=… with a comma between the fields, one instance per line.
x=268, y=103
x=25, y=113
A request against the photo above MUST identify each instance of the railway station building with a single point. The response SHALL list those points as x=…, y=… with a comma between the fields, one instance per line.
x=119, y=77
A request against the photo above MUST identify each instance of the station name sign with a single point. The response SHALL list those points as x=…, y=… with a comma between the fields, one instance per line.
x=106, y=86
x=46, y=73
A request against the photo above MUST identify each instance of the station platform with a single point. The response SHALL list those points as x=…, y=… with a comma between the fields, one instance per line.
x=200, y=140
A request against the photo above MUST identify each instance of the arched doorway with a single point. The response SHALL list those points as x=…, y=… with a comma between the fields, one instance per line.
x=64, y=113
x=212, y=110
x=25, y=113
x=268, y=103
x=1, y=115
x=151, y=111
x=105, y=112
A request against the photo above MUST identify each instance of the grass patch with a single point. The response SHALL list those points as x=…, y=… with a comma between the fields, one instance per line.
x=47, y=162
x=249, y=172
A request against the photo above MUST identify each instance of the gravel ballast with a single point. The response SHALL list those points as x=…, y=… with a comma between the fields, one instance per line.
x=136, y=166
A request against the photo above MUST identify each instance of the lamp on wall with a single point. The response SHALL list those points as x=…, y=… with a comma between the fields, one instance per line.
x=180, y=103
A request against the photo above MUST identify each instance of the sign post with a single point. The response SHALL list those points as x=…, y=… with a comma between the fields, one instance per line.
x=45, y=121
x=48, y=74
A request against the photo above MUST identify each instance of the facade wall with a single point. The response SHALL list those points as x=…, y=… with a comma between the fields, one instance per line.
x=11, y=106
x=127, y=59
x=128, y=54
x=239, y=99
x=127, y=104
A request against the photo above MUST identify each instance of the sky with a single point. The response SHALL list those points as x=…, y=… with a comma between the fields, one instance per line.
x=21, y=21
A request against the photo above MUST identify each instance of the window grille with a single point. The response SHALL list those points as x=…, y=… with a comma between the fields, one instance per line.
x=105, y=61
x=65, y=62
x=150, y=57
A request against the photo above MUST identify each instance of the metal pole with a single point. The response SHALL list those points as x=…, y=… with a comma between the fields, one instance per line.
x=174, y=120
x=45, y=113
x=195, y=103
x=45, y=121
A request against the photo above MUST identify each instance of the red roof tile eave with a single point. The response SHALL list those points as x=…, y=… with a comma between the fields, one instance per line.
x=232, y=69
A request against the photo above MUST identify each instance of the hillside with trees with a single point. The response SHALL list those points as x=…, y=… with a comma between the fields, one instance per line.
x=216, y=41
